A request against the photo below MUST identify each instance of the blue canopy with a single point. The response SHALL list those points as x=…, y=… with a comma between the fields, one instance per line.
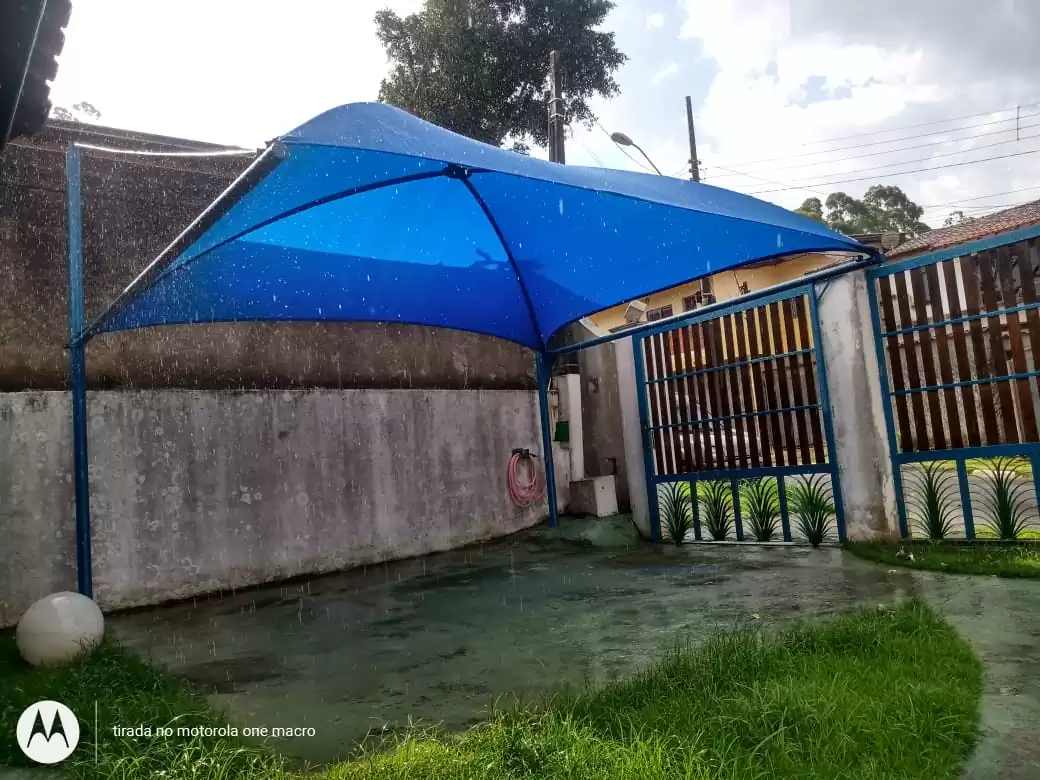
x=368, y=213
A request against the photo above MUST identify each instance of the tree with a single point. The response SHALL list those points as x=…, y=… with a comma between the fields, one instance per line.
x=481, y=67
x=811, y=208
x=883, y=208
x=80, y=112
x=956, y=218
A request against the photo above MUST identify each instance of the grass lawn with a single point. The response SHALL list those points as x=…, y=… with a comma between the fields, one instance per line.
x=993, y=558
x=881, y=693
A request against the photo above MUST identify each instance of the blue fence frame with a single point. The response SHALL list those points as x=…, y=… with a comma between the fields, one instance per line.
x=734, y=475
x=959, y=456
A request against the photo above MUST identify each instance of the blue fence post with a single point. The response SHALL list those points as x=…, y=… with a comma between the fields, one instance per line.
x=642, y=389
x=825, y=405
x=1034, y=465
x=696, y=510
x=886, y=391
x=78, y=373
x=781, y=496
x=738, y=525
x=543, y=370
x=962, y=481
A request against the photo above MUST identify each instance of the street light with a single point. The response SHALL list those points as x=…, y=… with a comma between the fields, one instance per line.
x=623, y=140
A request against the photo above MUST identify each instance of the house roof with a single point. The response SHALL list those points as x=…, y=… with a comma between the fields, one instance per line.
x=972, y=230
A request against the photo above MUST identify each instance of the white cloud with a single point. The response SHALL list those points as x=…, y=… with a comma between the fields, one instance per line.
x=235, y=71
x=767, y=77
x=666, y=72
x=759, y=105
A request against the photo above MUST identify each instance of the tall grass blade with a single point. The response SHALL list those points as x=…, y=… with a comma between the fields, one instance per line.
x=1005, y=499
x=932, y=501
x=760, y=503
x=812, y=507
x=676, y=510
x=716, y=500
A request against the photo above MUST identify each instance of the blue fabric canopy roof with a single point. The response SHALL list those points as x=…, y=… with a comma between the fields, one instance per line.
x=368, y=213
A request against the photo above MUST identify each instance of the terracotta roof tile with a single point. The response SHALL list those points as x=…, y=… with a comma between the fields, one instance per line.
x=982, y=227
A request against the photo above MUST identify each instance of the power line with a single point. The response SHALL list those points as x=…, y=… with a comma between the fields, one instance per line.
x=922, y=124
x=592, y=154
x=771, y=181
x=889, y=141
x=982, y=197
x=891, y=151
x=915, y=170
x=987, y=207
x=619, y=146
x=944, y=154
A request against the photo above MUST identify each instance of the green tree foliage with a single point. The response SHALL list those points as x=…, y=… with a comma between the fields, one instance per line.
x=811, y=208
x=481, y=67
x=956, y=218
x=883, y=208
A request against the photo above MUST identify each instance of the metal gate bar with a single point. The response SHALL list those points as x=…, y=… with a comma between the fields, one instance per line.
x=737, y=393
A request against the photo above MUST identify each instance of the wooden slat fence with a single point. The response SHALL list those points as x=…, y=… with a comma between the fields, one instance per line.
x=736, y=392
x=959, y=339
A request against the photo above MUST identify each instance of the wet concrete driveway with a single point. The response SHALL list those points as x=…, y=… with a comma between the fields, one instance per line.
x=439, y=640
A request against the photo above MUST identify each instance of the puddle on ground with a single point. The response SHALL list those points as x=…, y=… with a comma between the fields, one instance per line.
x=439, y=640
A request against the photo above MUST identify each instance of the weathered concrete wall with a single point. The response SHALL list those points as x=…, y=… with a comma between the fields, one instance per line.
x=131, y=211
x=632, y=434
x=857, y=412
x=601, y=403
x=198, y=491
x=603, y=442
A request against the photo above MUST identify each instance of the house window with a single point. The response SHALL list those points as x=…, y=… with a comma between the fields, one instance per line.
x=660, y=313
x=698, y=299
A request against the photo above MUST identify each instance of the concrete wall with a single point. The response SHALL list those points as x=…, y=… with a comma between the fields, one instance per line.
x=198, y=491
x=857, y=409
x=132, y=209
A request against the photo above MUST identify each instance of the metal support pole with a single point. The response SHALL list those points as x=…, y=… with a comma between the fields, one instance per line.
x=26, y=21
x=695, y=171
x=556, y=117
x=544, y=374
x=78, y=373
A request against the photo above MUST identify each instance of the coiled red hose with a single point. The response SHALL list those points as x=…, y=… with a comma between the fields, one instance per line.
x=524, y=489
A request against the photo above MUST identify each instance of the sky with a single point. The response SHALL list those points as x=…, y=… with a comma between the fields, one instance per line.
x=792, y=98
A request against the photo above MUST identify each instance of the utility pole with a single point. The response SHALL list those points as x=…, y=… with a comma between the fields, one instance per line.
x=556, y=118
x=695, y=172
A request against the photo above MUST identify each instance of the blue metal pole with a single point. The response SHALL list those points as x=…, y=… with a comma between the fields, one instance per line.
x=544, y=375
x=695, y=509
x=781, y=497
x=738, y=524
x=78, y=373
x=962, y=483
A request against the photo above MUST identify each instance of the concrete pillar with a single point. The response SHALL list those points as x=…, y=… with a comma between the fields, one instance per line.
x=632, y=434
x=570, y=403
x=857, y=410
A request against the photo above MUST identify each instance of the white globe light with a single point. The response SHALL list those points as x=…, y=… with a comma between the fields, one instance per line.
x=59, y=628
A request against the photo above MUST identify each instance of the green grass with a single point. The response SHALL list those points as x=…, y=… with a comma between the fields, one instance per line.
x=990, y=558
x=128, y=692
x=880, y=693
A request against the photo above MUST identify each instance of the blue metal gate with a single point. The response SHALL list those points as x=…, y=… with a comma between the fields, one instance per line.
x=955, y=332
x=734, y=397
